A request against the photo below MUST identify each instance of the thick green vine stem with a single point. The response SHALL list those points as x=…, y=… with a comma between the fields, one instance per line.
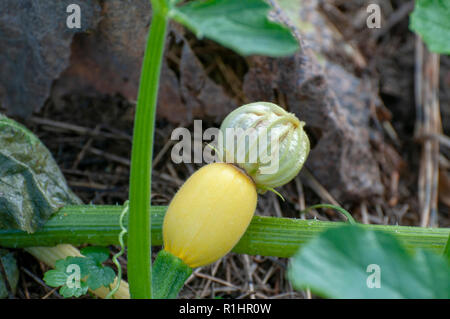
x=266, y=236
x=169, y=275
x=139, y=239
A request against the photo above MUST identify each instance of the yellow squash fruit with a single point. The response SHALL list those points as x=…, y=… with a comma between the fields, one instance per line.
x=209, y=214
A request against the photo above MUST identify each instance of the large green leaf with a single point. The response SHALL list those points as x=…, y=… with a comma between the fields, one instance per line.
x=242, y=26
x=431, y=19
x=345, y=263
x=32, y=187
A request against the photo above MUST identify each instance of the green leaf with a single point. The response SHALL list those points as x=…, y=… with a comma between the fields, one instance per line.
x=242, y=26
x=98, y=254
x=83, y=262
x=93, y=274
x=345, y=262
x=100, y=276
x=431, y=19
x=55, y=278
x=67, y=292
x=32, y=187
x=60, y=277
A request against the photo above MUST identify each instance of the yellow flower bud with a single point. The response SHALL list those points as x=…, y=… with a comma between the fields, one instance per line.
x=209, y=214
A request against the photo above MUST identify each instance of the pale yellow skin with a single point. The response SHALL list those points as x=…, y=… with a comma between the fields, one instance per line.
x=209, y=214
